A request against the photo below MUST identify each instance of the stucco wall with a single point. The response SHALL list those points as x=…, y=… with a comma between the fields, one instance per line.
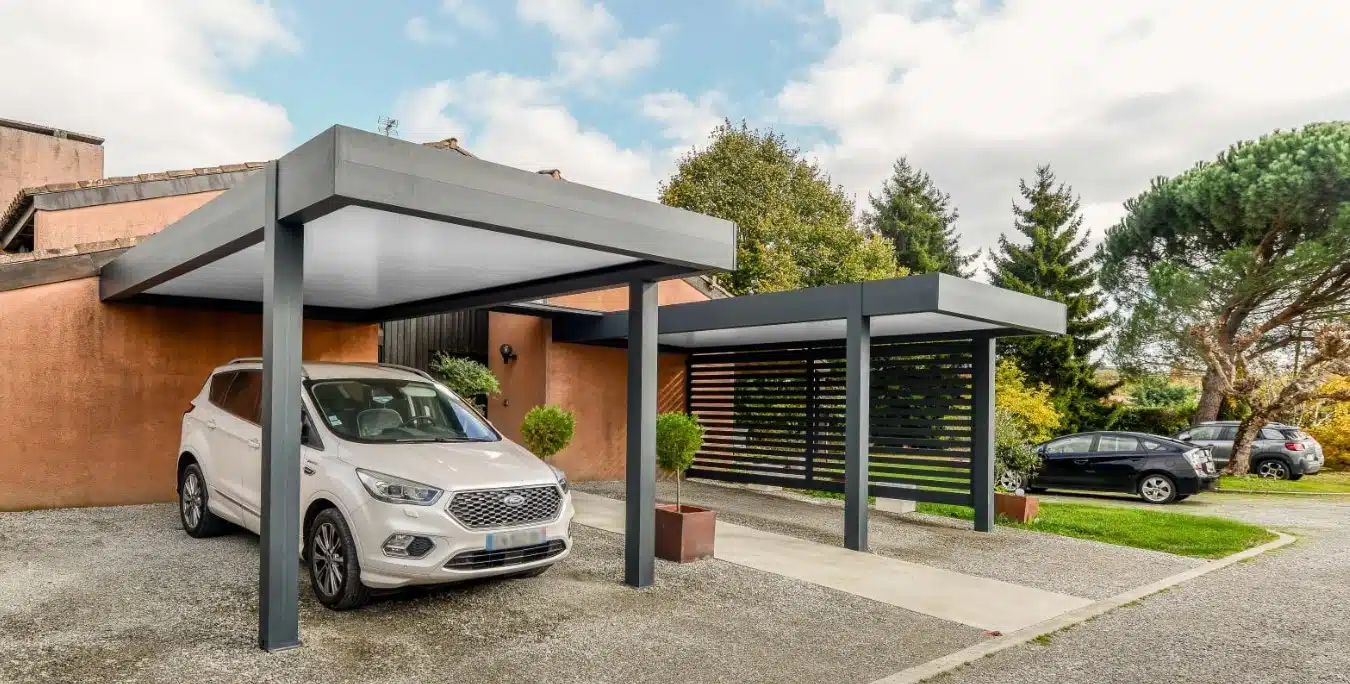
x=31, y=159
x=524, y=379
x=93, y=395
x=592, y=382
x=70, y=227
x=616, y=298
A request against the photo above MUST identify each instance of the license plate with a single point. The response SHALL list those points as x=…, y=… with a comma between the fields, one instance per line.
x=510, y=540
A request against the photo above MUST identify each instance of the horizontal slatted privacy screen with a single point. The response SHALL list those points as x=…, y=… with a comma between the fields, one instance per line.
x=776, y=417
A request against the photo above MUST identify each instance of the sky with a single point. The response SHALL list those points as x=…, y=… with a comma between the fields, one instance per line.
x=612, y=92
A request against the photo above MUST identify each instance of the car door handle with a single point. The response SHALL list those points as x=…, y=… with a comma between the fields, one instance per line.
x=309, y=468
x=1080, y=461
x=254, y=443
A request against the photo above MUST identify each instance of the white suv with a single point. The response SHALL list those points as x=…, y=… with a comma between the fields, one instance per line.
x=403, y=483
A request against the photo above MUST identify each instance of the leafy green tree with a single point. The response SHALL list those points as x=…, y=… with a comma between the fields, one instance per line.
x=1052, y=266
x=919, y=219
x=1236, y=261
x=796, y=228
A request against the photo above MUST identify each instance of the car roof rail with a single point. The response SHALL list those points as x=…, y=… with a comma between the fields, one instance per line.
x=245, y=359
x=395, y=366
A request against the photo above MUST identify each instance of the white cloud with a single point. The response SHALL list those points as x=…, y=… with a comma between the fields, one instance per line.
x=521, y=122
x=469, y=16
x=591, y=48
x=455, y=15
x=150, y=76
x=418, y=30
x=685, y=122
x=1109, y=94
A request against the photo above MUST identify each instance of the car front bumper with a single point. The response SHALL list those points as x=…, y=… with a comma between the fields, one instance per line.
x=376, y=521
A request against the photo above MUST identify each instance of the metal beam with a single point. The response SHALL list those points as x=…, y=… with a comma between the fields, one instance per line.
x=857, y=419
x=982, y=431
x=640, y=470
x=279, y=567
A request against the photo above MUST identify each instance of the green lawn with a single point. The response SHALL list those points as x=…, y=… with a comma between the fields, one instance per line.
x=1186, y=535
x=1325, y=483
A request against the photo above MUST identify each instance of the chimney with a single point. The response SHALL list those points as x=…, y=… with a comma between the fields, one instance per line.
x=33, y=155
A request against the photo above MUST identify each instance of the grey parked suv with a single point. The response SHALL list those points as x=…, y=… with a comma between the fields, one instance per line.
x=1281, y=452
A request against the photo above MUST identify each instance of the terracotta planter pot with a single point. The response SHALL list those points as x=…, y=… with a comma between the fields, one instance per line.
x=685, y=535
x=1017, y=508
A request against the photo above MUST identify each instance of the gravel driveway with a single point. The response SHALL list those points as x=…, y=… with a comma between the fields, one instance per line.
x=123, y=595
x=1281, y=618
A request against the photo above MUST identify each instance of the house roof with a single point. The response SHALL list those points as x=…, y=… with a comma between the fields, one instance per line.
x=52, y=131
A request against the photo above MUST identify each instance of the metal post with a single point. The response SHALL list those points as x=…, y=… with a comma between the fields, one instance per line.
x=982, y=433
x=857, y=437
x=810, y=381
x=283, y=314
x=640, y=471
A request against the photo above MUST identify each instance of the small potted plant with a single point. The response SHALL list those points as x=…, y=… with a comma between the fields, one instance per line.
x=1014, y=462
x=547, y=430
x=683, y=533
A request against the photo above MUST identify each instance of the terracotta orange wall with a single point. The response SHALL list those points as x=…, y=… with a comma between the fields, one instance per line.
x=70, y=227
x=592, y=382
x=524, y=379
x=616, y=298
x=31, y=159
x=93, y=395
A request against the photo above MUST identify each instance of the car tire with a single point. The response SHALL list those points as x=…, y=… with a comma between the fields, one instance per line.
x=1157, y=488
x=330, y=556
x=532, y=572
x=1272, y=469
x=197, y=519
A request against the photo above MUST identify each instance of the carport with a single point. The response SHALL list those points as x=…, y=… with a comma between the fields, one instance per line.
x=360, y=227
x=884, y=387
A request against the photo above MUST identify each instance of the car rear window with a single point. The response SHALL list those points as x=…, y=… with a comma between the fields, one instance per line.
x=1295, y=434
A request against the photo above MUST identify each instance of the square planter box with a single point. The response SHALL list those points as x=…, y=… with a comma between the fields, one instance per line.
x=1017, y=508
x=685, y=535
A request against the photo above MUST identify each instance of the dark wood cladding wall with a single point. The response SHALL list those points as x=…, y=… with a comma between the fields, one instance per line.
x=776, y=417
x=414, y=341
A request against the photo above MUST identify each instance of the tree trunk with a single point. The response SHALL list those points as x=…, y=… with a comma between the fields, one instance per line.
x=1240, y=462
x=677, y=493
x=1211, y=398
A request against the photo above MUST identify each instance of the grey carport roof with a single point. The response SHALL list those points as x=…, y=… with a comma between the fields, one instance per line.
x=394, y=229
x=931, y=305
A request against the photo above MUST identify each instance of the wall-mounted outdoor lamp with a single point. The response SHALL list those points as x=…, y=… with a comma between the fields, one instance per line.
x=508, y=354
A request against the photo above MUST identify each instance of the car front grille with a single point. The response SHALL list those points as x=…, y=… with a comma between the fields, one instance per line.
x=484, y=559
x=490, y=508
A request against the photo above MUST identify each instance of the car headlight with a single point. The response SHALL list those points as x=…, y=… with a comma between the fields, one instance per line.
x=562, y=478
x=396, y=490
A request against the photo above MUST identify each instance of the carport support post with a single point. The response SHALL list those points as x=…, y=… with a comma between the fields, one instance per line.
x=982, y=433
x=857, y=416
x=279, y=568
x=639, y=568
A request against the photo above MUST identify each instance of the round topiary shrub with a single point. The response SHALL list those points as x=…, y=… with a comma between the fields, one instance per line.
x=547, y=430
x=678, y=439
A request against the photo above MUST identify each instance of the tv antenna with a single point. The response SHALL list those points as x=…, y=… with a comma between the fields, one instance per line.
x=389, y=126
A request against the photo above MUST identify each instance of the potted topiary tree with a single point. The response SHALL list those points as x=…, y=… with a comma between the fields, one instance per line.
x=547, y=430
x=1014, y=463
x=683, y=533
x=468, y=378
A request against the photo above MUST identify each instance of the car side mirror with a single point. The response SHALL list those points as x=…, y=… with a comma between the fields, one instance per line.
x=1185, y=437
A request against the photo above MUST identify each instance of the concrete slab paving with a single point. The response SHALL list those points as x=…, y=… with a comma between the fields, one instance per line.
x=967, y=599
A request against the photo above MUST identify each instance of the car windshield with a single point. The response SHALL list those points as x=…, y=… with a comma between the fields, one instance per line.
x=382, y=410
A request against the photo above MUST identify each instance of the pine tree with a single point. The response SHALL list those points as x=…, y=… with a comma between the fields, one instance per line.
x=919, y=220
x=1053, y=266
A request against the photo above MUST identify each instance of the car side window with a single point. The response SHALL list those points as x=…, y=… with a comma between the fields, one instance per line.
x=1078, y=444
x=1267, y=433
x=220, y=384
x=1150, y=445
x=1116, y=443
x=1228, y=434
x=242, y=397
x=1206, y=432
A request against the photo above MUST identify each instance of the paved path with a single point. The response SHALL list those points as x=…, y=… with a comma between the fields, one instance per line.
x=967, y=599
x=1283, y=617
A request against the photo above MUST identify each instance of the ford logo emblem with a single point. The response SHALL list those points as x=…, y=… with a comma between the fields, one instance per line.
x=513, y=500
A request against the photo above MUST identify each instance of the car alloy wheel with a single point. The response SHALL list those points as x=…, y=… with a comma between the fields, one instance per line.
x=190, y=498
x=1156, y=489
x=1273, y=470
x=1011, y=481
x=329, y=561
